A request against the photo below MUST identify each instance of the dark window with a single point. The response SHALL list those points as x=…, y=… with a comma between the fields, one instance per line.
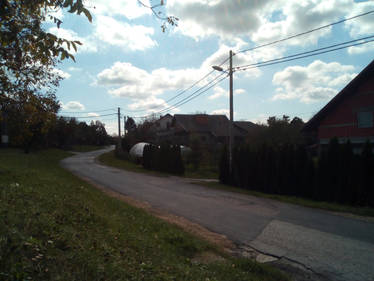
x=365, y=119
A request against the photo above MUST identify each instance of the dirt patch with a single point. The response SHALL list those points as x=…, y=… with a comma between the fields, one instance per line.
x=221, y=241
x=206, y=258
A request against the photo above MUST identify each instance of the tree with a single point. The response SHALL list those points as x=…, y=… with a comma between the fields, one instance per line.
x=130, y=125
x=28, y=53
x=32, y=116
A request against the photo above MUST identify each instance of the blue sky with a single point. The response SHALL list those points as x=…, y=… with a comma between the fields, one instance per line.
x=127, y=61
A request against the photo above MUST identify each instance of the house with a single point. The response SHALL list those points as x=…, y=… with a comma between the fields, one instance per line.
x=163, y=123
x=246, y=126
x=349, y=115
x=209, y=129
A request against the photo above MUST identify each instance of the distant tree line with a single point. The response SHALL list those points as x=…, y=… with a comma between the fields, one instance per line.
x=68, y=132
x=337, y=175
x=164, y=158
x=31, y=122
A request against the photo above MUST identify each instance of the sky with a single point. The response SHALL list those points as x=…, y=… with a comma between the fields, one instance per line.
x=127, y=61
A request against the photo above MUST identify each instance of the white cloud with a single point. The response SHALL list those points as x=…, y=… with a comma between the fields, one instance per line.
x=73, y=69
x=130, y=9
x=363, y=25
x=369, y=47
x=88, y=43
x=151, y=104
x=122, y=34
x=93, y=114
x=227, y=19
x=315, y=82
x=260, y=118
x=72, y=105
x=220, y=92
x=136, y=83
x=268, y=20
x=63, y=74
x=221, y=112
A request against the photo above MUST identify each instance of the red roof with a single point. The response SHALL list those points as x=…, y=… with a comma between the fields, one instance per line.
x=348, y=90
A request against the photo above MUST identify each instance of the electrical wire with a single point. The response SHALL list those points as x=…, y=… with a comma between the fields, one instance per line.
x=195, y=93
x=187, y=99
x=306, y=32
x=83, y=117
x=304, y=54
x=185, y=90
x=81, y=112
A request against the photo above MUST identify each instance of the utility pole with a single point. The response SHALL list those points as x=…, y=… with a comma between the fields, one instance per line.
x=231, y=137
x=119, y=127
x=124, y=126
x=4, y=127
x=231, y=122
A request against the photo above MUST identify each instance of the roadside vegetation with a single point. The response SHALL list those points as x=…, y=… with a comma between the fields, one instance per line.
x=110, y=159
x=333, y=207
x=86, y=148
x=55, y=226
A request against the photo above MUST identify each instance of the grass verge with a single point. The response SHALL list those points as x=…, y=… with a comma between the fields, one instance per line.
x=86, y=148
x=54, y=226
x=110, y=159
x=360, y=211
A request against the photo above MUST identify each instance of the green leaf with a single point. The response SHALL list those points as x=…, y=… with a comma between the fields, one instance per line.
x=68, y=3
x=74, y=46
x=74, y=8
x=88, y=14
x=72, y=57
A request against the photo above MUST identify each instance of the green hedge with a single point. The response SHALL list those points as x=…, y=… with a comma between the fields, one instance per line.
x=337, y=175
x=165, y=158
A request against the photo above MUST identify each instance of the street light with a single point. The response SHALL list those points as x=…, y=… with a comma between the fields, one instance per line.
x=231, y=138
x=218, y=68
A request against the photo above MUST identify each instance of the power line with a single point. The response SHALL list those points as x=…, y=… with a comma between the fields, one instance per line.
x=187, y=99
x=81, y=112
x=83, y=117
x=185, y=90
x=306, y=32
x=315, y=52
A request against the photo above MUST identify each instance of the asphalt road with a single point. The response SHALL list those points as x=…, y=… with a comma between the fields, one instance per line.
x=337, y=247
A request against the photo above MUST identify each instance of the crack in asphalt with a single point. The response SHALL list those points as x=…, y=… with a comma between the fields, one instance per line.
x=292, y=261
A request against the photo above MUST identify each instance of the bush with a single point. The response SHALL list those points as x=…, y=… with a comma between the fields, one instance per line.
x=166, y=158
x=121, y=154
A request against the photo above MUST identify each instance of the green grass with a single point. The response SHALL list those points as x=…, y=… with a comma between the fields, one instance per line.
x=360, y=211
x=204, y=172
x=110, y=159
x=86, y=148
x=54, y=226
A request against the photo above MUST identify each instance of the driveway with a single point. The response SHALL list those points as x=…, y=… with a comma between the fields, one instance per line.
x=333, y=246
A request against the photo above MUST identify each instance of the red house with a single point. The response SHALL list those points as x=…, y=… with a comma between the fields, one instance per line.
x=349, y=115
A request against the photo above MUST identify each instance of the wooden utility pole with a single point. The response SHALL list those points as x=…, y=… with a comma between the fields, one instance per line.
x=231, y=137
x=4, y=128
x=124, y=126
x=119, y=127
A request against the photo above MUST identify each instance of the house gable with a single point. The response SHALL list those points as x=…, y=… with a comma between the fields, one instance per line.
x=340, y=117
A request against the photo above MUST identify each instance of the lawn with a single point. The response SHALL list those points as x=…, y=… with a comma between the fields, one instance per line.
x=54, y=226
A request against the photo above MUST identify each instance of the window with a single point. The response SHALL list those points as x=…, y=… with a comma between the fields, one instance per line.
x=365, y=119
